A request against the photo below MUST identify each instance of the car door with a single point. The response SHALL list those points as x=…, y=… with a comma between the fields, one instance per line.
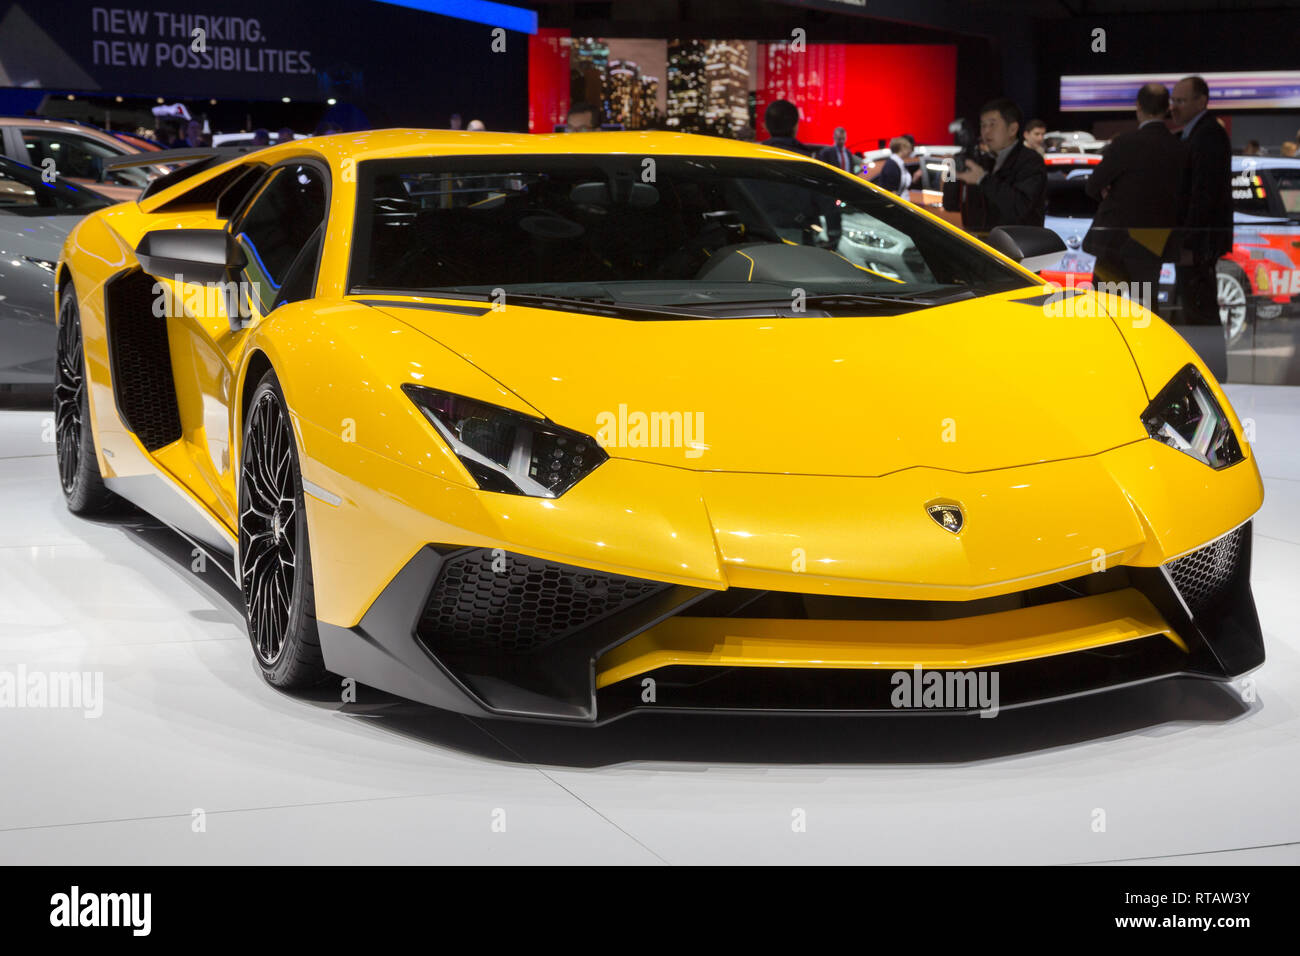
x=279, y=228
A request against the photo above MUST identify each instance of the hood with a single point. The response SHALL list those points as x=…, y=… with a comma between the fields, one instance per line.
x=974, y=385
x=40, y=237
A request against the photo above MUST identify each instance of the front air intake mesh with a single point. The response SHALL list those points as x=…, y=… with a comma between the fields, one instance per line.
x=498, y=602
x=141, y=361
x=1202, y=576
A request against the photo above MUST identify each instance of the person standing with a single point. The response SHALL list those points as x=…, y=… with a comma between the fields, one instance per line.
x=1137, y=186
x=1035, y=131
x=1011, y=193
x=782, y=121
x=894, y=174
x=1205, y=201
x=582, y=118
x=839, y=154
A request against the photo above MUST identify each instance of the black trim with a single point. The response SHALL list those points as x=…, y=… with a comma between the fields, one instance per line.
x=430, y=306
x=1041, y=300
x=196, y=161
x=794, y=690
x=210, y=192
x=237, y=190
x=1224, y=638
x=164, y=500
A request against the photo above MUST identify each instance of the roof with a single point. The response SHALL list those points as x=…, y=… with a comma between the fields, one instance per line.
x=401, y=143
x=1239, y=163
x=125, y=142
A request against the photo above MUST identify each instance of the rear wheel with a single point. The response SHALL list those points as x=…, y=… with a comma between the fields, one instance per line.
x=274, y=557
x=1234, y=301
x=74, y=441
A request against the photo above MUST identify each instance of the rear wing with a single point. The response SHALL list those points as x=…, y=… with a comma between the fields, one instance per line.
x=193, y=161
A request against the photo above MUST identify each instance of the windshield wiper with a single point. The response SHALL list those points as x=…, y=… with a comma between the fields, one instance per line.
x=591, y=305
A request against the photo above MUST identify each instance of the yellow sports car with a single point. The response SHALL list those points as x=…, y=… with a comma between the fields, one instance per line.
x=563, y=427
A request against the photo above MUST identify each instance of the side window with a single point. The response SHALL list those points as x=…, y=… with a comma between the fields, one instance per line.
x=23, y=191
x=280, y=235
x=15, y=192
x=79, y=157
x=1287, y=183
x=1249, y=194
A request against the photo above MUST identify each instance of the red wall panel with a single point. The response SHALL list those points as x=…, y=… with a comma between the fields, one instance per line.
x=875, y=91
x=548, y=80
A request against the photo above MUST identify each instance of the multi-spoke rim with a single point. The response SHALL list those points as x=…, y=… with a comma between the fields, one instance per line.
x=69, y=383
x=1232, y=305
x=268, y=527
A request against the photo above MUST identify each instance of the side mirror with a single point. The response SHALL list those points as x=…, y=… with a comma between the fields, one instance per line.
x=1034, y=247
x=190, y=255
x=196, y=255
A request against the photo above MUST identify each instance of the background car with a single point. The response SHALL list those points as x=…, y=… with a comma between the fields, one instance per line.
x=35, y=219
x=79, y=153
x=1072, y=141
x=1259, y=280
x=246, y=139
x=1070, y=211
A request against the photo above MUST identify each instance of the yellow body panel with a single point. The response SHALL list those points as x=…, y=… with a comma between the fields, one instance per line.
x=792, y=492
x=959, y=644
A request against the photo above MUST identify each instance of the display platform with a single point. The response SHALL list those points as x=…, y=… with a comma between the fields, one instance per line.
x=194, y=759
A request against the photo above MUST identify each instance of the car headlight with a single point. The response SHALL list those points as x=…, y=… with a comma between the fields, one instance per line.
x=1186, y=416
x=505, y=451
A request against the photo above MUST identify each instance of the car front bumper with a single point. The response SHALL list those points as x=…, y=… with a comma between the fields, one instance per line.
x=778, y=592
x=489, y=632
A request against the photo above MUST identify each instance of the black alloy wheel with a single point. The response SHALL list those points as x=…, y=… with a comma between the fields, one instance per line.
x=69, y=393
x=74, y=439
x=274, y=559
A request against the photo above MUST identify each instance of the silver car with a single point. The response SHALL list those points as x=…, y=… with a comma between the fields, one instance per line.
x=35, y=217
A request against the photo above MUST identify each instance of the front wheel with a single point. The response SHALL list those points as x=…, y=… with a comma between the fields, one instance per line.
x=274, y=556
x=74, y=440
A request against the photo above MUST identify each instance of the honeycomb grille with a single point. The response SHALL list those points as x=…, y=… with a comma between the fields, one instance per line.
x=142, y=362
x=1202, y=576
x=498, y=602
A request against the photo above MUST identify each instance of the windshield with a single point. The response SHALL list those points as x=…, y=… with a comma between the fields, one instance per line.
x=25, y=192
x=685, y=232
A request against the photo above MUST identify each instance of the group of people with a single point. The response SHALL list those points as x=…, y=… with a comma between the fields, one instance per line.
x=1162, y=196
x=1290, y=148
x=1166, y=196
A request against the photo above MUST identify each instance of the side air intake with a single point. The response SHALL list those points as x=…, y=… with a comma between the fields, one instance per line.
x=141, y=361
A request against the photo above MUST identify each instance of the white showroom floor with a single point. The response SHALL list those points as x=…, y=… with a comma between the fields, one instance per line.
x=1183, y=770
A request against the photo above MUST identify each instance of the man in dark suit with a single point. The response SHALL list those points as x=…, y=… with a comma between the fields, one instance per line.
x=1011, y=193
x=782, y=121
x=839, y=154
x=1136, y=183
x=1205, y=201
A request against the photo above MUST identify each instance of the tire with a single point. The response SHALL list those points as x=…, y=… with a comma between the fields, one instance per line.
x=74, y=439
x=1236, y=311
x=274, y=553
